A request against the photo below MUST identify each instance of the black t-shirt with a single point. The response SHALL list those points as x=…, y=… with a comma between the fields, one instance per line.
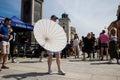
x=11, y=41
x=0, y=39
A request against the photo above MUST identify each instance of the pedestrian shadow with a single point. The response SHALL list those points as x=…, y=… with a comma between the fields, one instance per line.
x=101, y=63
x=29, y=62
x=79, y=60
x=23, y=76
x=73, y=60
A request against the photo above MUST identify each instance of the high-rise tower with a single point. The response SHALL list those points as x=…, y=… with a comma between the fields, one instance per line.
x=31, y=11
x=64, y=21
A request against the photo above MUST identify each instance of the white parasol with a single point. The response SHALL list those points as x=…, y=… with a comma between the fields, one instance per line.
x=50, y=35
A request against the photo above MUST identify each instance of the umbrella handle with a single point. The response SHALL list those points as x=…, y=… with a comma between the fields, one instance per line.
x=46, y=39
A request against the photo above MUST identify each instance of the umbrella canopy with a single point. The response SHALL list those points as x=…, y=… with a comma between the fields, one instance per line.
x=17, y=23
x=20, y=24
x=29, y=27
x=50, y=35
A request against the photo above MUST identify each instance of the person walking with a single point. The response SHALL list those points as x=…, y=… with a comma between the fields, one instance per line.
x=72, y=52
x=0, y=49
x=76, y=45
x=113, y=46
x=57, y=54
x=104, y=44
x=41, y=51
x=93, y=43
x=4, y=44
x=12, y=46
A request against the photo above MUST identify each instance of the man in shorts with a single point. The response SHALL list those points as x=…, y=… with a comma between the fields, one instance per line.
x=57, y=55
x=4, y=44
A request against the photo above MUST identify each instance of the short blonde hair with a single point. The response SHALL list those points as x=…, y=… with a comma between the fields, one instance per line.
x=113, y=31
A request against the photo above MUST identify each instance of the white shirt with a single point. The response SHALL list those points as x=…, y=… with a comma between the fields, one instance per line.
x=75, y=42
x=113, y=38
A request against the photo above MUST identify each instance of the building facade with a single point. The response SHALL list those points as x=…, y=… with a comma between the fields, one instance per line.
x=115, y=25
x=31, y=12
x=73, y=32
x=64, y=21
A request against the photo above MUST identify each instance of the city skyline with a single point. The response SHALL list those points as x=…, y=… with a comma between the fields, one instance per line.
x=85, y=16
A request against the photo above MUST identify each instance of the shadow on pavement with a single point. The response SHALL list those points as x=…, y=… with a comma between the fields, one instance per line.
x=25, y=75
x=29, y=62
x=100, y=63
x=75, y=60
x=79, y=60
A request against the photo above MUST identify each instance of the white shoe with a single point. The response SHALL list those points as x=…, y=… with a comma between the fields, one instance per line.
x=50, y=72
x=61, y=72
x=14, y=61
x=42, y=60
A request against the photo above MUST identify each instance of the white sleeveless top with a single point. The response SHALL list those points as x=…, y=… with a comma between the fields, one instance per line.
x=75, y=42
x=113, y=38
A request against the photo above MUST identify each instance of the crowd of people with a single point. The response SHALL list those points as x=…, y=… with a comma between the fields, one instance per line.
x=7, y=47
x=103, y=45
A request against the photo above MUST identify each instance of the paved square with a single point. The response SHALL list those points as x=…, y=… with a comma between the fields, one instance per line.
x=32, y=69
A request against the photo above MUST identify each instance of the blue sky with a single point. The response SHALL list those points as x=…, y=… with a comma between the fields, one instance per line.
x=85, y=15
x=9, y=8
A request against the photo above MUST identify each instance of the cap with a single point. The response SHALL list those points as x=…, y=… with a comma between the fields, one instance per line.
x=54, y=16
